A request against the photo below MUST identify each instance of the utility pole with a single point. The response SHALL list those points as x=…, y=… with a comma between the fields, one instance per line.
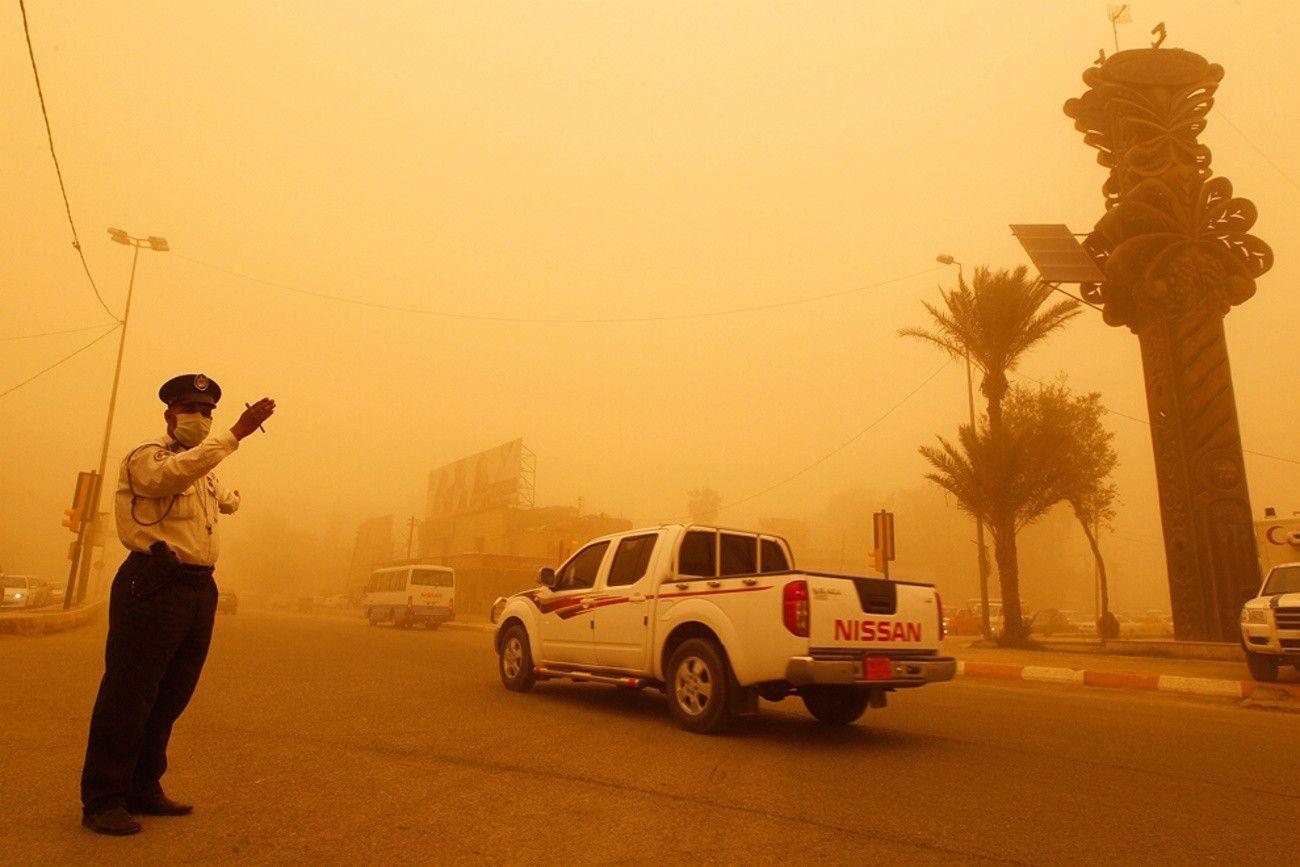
x=981, y=548
x=410, y=536
x=158, y=245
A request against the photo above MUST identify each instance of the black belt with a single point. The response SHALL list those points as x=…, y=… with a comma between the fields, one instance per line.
x=186, y=572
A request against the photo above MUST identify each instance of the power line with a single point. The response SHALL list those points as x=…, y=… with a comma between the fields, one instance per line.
x=52, y=333
x=49, y=135
x=1147, y=422
x=67, y=357
x=1247, y=139
x=541, y=320
x=842, y=446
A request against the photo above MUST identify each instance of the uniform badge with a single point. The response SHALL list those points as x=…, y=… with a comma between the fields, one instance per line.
x=200, y=382
x=160, y=455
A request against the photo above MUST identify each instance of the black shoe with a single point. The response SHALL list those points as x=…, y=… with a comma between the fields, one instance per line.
x=114, y=820
x=157, y=805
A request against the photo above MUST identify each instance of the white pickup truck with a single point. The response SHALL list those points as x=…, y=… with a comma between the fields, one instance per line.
x=718, y=618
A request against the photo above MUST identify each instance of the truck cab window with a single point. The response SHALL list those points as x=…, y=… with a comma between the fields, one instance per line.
x=739, y=554
x=774, y=557
x=698, y=553
x=580, y=572
x=631, y=560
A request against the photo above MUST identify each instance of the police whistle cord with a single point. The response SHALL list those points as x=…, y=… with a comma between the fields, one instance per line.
x=68, y=357
x=542, y=320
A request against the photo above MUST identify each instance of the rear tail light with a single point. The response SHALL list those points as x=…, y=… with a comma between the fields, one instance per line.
x=794, y=607
x=938, y=604
x=410, y=601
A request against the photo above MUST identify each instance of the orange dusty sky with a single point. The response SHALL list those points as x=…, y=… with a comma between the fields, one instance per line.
x=578, y=161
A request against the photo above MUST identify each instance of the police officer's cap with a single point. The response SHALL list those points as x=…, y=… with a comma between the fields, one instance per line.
x=190, y=388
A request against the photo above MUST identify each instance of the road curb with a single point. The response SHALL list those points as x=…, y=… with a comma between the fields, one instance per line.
x=46, y=622
x=1208, y=686
x=469, y=627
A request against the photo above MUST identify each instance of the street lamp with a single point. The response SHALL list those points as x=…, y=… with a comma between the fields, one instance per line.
x=982, y=551
x=158, y=245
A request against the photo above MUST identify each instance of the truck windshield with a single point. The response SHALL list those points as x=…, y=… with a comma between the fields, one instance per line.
x=1283, y=579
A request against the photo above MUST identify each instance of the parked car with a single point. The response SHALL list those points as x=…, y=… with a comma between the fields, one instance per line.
x=717, y=619
x=227, y=602
x=26, y=591
x=1270, y=623
x=1053, y=621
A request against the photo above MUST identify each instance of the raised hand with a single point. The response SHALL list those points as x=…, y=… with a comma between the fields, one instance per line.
x=253, y=417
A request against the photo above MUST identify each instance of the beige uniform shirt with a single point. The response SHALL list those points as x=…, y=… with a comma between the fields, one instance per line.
x=168, y=492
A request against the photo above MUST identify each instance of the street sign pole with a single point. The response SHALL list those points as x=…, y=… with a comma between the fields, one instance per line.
x=80, y=496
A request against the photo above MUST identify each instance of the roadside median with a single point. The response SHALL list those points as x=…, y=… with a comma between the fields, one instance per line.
x=1197, y=677
x=48, y=621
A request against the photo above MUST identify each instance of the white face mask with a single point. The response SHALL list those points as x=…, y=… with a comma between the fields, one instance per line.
x=191, y=428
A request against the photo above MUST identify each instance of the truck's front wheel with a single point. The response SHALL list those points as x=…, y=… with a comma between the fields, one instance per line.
x=515, y=661
x=697, y=686
x=835, y=705
x=1262, y=666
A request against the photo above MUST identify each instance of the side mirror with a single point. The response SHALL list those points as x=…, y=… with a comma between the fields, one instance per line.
x=546, y=577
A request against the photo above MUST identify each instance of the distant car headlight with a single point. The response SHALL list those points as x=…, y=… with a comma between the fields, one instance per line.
x=497, y=607
x=1254, y=615
x=18, y=596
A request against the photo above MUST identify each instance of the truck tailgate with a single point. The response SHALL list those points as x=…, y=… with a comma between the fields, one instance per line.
x=871, y=614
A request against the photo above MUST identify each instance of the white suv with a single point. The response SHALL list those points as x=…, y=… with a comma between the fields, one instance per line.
x=1270, y=623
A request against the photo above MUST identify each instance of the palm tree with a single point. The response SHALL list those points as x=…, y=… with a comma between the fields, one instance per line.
x=994, y=320
x=1013, y=479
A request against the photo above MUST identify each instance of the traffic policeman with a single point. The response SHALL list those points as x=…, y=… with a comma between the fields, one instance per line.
x=162, y=604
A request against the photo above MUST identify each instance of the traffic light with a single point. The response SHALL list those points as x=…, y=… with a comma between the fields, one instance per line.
x=882, y=525
x=72, y=519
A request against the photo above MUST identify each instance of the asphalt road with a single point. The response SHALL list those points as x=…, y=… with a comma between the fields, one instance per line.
x=318, y=738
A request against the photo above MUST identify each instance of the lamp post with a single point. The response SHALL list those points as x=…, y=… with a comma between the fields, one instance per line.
x=982, y=551
x=158, y=245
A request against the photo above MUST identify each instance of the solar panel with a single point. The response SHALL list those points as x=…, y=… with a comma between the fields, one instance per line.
x=1056, y=253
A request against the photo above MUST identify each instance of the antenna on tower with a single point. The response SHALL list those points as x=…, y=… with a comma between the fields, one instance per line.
x=1118, y=13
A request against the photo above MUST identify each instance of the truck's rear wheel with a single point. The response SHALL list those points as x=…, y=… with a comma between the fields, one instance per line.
x=697, y=686
x=515, y=660
x=835, y=705
x=1262, y=666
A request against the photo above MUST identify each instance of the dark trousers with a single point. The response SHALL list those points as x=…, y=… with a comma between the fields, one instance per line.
x=159, y=628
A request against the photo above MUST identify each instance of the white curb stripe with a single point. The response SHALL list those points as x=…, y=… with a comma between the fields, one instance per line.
x=1051, y=675
x=1199, y=685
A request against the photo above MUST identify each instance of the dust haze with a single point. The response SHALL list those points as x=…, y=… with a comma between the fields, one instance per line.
x=566, y=190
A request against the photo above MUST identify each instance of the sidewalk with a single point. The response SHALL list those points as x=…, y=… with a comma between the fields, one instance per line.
x=46, y=620
x=1188, y=676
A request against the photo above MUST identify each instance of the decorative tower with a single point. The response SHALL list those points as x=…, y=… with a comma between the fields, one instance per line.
x=1175, y=249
